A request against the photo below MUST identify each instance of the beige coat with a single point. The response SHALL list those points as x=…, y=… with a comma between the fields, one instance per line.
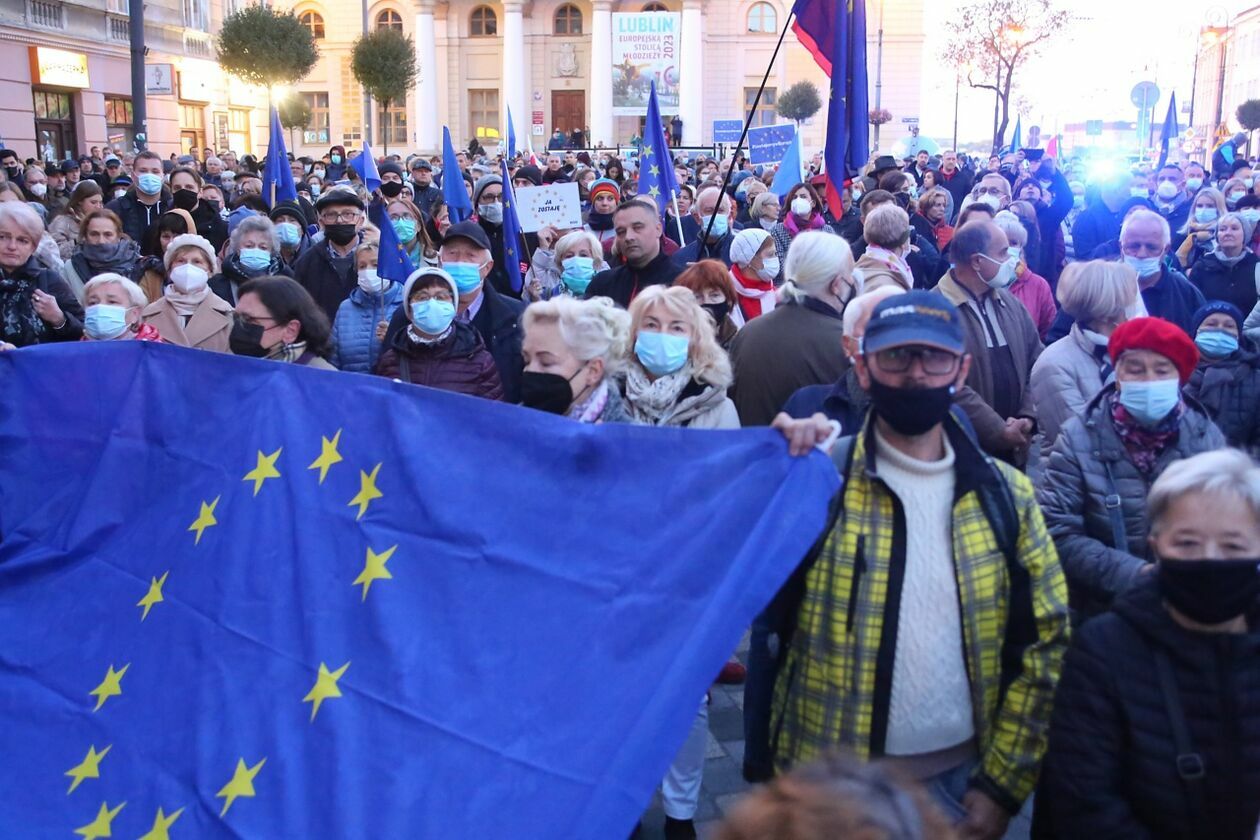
x=1065, y=377
x=876, y=274
x=65, y=232
x=208, y=329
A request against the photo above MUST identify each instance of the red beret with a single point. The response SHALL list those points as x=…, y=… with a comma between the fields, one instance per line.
x=1159, y=336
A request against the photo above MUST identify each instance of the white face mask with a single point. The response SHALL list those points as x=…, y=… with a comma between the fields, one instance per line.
x=371, y=282
x=769, y=269
x=991, y=200
x=802, y=207
x=1167, y=190
x=189, y=278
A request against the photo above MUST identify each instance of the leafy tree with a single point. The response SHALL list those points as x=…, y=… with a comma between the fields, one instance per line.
x=384, y=62
x=799, y=102
x=1248, y=115
x=262, y=46
x=294, y=114
x=990, y=41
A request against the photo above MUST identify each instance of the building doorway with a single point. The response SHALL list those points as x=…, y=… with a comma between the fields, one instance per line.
x=54, y=126
x=568, y=111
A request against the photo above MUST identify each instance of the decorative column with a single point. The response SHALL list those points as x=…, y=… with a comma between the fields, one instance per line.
x=425, y=118
x=515, y=70
x=600, y=94
x=691, y=84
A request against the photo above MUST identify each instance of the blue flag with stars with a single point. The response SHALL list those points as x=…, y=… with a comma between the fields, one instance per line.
x=365, y=165
x=257, y=608
x=392, y=260
x=513, y=243
x=656, y=168
x=277, y=176
x=454, y=193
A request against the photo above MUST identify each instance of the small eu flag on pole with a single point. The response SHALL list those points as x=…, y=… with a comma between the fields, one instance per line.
x=277, y=176
x=454, y=193
x=511, y=132
x=365, y=165
x=513, y=244
x=1170, y=131
x=392, y=261
x=656, y=167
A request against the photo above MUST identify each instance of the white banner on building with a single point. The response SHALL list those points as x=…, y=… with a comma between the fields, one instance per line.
x=645, y=50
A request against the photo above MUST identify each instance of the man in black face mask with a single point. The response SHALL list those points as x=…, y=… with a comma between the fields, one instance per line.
x=939, y=580
x=391, y=180
x=327, y=269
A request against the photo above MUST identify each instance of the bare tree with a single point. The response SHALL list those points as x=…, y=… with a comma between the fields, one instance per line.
x=991, y=40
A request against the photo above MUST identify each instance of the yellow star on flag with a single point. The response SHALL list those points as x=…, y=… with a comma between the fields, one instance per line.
x=367, y=491
x=325, y=687
x=265, y=469
x=647, y=151
x=153, y=596
x=241, y=784
x=654, y=169
x=99, y=827
x=88, y=768
x=374, y=569
x=111, y=686
x=654, y=192
x=160, y=825
x=205, y=519
x=328, y=455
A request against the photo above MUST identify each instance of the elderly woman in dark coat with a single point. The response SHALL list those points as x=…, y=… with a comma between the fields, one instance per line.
x=1156, y=724
x=1093, y=491
x=1227, y=379
x=36, y=305
x=435, y=349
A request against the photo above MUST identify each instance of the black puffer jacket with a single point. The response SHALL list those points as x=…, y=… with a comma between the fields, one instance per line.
x=1235, y=283
x=1230, y=391
x=1074, y=492
x=1110, y=771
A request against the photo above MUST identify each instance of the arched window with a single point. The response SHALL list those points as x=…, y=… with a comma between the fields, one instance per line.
x=763, y=18
x=483, y=23
x=313, y=21
x=655, y=7
x=389, y=19
x=568, y=20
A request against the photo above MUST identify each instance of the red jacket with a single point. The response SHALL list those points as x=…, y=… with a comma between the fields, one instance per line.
x=459, y=363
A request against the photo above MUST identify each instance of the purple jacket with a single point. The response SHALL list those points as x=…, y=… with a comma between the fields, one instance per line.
x=459, y=363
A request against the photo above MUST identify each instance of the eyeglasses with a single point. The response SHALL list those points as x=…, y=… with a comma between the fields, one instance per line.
x=344, y=217
x=933, y=361
x=250, y=320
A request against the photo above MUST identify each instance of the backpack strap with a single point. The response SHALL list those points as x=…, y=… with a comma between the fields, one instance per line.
x=1190, y=767
x=1115, y=515
x=404, y=368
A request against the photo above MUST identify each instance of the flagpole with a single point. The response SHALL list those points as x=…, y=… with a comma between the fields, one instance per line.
x=726, y=180
x=673, y=199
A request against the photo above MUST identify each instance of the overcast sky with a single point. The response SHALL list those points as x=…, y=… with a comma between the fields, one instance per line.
x=1085, y=73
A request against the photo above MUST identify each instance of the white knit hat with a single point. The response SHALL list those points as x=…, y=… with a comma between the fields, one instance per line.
x=428, y=271
x=186, y=239
x=747, y=243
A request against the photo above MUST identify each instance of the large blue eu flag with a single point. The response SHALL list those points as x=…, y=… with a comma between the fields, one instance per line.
x=240, y=598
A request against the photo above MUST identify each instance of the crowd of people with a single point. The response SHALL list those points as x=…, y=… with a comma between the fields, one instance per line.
x=1038, y=583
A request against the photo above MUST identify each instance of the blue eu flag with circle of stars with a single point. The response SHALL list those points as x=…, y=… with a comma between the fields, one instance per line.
x=656, y=167
x=243, y=598
x=513, y=247
x=392, y=260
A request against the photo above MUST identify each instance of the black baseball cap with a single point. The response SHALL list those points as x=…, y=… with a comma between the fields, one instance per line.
x=468, y=230
x=917, y=317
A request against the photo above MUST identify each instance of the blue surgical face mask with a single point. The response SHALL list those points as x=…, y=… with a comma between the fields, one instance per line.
x=255, y=259
x=467, y=276
x=1139, y=192
x=720, y=225
x=661, y=353
x=1150, y=402
x=1078, y=201
x=492, y=213
x=405, y=229
x=335, y=158
x=315, y=188
x=289, y=234
x=1193, y=184
x=1251, y=214
x=577, y=274
x=432, y=316
x=1203, y=215
x=103, y=321
x=1250, y=182
x=1233, y=198
x=1216, y=344
x=1145, y=267
x=149, y=184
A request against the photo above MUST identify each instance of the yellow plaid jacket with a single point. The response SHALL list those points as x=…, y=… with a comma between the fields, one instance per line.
x=835, y=681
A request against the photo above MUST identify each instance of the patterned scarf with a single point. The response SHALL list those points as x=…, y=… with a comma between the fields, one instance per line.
x=590, y=409
x=756, y=296
x=19, y=325
x=794, y=227
x=1144, y=444
x=652, y=402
